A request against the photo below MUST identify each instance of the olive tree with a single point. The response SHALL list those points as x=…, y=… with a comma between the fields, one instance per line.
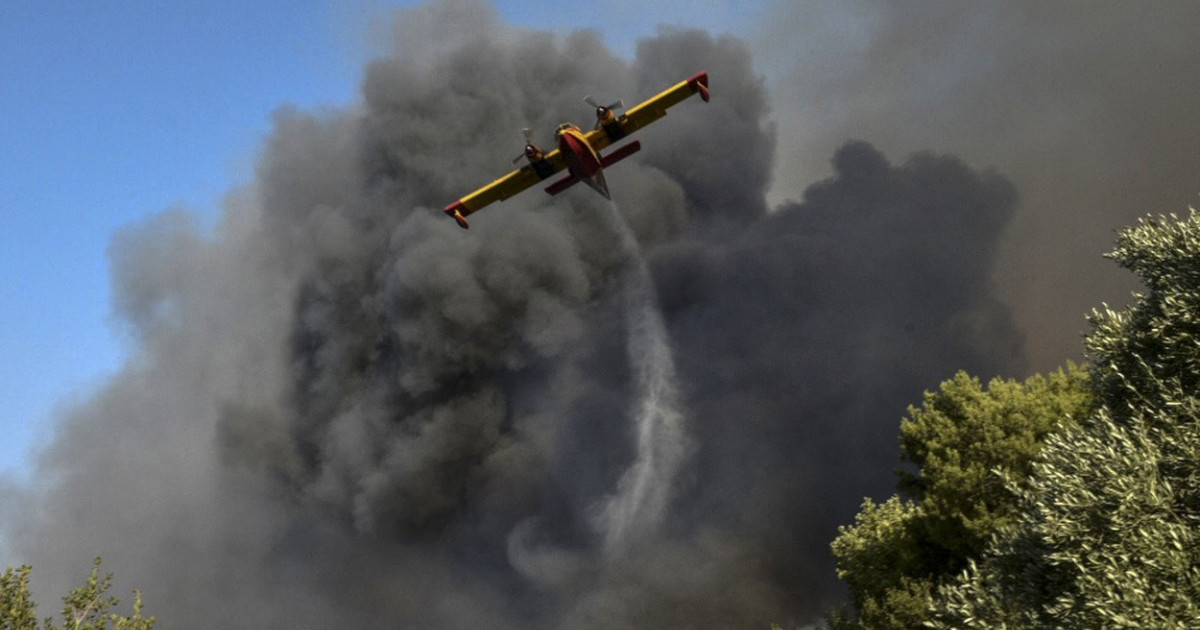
x=88, y=607
x=962, y=443
x=1108, y=533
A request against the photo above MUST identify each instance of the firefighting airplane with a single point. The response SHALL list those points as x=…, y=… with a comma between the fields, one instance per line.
x=579, y=151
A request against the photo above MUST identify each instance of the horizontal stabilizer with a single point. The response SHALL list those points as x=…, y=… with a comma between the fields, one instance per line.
x=562, y=184
x=620, y=154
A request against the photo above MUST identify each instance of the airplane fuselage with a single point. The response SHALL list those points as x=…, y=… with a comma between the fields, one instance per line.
x=579, y=153
x=582, y=160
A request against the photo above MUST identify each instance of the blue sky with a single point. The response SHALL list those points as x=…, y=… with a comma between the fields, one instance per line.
x=113, y=111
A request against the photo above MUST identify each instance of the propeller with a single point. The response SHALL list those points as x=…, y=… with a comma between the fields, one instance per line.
x=602, y=110
x=530, y=150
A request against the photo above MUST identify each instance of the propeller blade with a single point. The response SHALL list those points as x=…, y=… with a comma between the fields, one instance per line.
x=528, y=133
x=602, y=110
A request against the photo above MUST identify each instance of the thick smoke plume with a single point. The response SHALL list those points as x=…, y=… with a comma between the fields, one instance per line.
x=1088, y=106
x=342, y=410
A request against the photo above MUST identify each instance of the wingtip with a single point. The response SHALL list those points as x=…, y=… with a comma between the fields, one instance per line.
x=455, y=211
x=699, y=83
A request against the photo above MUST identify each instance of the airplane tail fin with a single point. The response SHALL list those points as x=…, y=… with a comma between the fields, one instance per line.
x=597, y=181
x=598, y=184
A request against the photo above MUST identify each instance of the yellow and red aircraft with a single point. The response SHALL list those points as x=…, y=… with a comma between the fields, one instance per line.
x=579, y=152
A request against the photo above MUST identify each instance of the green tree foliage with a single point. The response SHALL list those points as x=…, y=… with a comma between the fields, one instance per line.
x=85, y=608
x=1108, y=534
x=16, y=608
x=962, y=441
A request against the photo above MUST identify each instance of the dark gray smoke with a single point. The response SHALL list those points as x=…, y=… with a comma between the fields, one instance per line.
x=342, y=410
x=1088, y=106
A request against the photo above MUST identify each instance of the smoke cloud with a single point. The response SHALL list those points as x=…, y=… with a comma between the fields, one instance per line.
x=343, y=410
x=1088, y=107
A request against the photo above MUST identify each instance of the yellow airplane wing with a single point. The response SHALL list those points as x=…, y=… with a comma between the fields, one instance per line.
x=649, y=111
x=506, y=187
x=610, y=131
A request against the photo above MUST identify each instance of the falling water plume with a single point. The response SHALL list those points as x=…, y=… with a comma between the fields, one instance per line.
x=644, y=491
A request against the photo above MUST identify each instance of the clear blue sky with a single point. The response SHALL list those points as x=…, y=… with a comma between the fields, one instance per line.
x=112, y=111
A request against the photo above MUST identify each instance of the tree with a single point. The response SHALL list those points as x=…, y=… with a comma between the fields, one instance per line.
x=1108, y=534
x=962, y=441
x=85, y=608
x=16, y=608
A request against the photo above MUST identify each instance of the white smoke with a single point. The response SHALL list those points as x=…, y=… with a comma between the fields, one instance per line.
x=644, y=491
